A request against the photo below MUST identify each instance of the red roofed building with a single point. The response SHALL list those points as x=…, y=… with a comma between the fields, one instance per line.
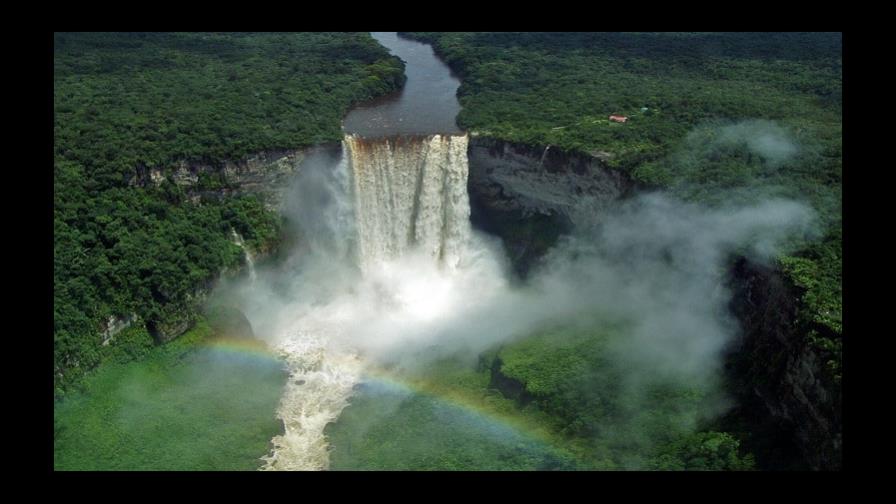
x=618, y=118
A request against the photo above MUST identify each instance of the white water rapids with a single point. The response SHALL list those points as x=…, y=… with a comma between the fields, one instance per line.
x=410, y=206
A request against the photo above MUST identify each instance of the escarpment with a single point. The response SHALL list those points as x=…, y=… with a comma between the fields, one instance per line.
x=777, y=371
x=266, y=174
x=529, y=196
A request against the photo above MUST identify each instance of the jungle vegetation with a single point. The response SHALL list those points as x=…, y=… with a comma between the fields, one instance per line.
x=126, y=101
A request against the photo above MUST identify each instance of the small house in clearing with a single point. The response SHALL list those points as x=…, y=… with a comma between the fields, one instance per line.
x=618, y=118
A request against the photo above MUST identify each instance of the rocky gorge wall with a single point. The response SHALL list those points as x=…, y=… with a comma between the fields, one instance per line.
x=266, y=174
x=778, y=372
x=529, y=196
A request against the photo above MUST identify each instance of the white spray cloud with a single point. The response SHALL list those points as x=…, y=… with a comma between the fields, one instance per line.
x=767, y=139
x=654, y=263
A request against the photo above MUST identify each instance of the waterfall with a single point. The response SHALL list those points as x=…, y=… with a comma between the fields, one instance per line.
x=386, y=198
x=238, y=240
x=543, y=156
x=410, y=192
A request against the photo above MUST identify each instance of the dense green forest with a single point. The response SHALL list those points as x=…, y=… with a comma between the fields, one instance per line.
x=711, y=117
x=125, y=101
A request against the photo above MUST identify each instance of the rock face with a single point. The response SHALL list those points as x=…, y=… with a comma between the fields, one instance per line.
x=775, y=363
x=265, y=173
x=115, y=325
x=529, y=196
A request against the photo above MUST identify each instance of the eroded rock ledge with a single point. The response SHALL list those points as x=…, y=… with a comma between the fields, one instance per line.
x=265, y=173
x=529, y=196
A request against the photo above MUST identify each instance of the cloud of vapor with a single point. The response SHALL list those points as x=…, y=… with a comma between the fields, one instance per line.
x=768, y=140
x=319, y=265
x=654, y=262
x=654, y=265
x=747, y=162
x=659, y=264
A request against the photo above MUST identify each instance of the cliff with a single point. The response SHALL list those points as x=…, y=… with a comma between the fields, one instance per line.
x=775, y=368
x=266, y=174
x=529, y=196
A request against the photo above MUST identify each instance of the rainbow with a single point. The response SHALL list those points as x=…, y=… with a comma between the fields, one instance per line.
x=254, y=349
x=499, y=423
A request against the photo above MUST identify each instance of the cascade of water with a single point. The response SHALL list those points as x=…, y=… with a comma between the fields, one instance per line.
x=390, y=197
x=410, y=192
x=238, y=240
x=543, y=156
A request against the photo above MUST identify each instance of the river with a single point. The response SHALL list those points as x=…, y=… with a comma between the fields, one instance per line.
x=427, y=104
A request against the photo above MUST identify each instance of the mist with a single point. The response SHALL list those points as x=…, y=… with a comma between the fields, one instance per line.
x=653, y=265
x=774, y=144
x=654, y=261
